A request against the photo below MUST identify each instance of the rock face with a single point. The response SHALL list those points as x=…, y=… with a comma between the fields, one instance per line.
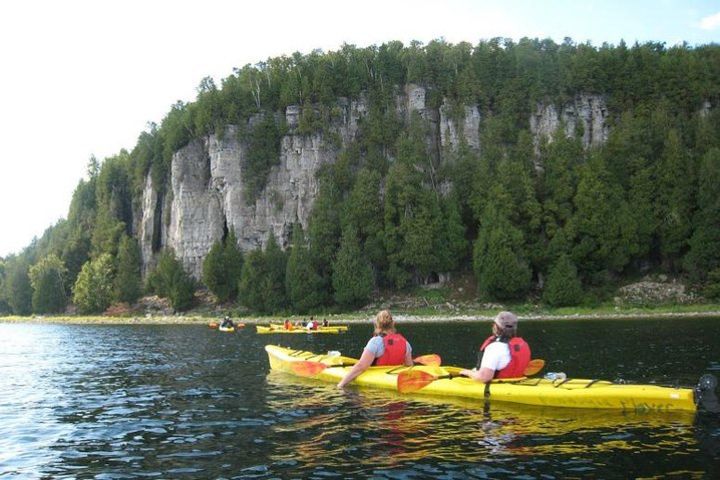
x=205, y=197
x=588, y=111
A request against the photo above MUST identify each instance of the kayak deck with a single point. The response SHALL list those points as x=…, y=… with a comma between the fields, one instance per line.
x=281, y=329
x=572, y=393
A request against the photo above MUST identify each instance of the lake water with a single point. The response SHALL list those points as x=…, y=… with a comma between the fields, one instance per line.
x=120, y=402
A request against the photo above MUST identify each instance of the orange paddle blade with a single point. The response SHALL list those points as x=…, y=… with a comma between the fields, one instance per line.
x=414, y=380
x=307, y=369
x=213, y=325
x=534, y=366
x=431, y=359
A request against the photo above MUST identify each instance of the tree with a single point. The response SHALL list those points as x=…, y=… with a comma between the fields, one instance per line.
x=47, y=278
x=251, y=278
x=352, y=274
x=170, y=280
x=262, y=282
x=563, y=287
x=303, y=285
x=704, y=254
x=222, y=267
x=498, y=259
x=273, y=283
x=602, y=230
x=674, y=205
x=18, y=287
x=128, y=281
x=93, y=291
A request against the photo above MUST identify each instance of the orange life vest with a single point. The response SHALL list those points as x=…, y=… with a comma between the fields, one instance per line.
x=519, y=357
x=395, y=346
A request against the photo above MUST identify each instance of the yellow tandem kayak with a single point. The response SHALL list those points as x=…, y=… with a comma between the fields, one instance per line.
x=574, y=393
x=281, y=329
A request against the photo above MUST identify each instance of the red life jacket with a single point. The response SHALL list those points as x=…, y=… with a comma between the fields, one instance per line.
x=519, y=357
x=395, y=346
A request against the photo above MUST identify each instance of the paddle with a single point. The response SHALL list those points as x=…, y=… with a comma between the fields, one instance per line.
x=307, y=368
x=414, y=380
x=431, y=360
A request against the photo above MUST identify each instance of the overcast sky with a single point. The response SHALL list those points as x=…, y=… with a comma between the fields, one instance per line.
x=81, y=78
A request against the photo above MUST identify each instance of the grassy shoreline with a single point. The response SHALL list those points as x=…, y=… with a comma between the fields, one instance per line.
x=525, y=312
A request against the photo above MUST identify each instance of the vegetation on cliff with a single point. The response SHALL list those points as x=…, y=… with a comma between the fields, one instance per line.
x=556, y=220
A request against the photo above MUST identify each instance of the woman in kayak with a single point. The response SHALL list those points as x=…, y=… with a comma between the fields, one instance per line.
x=504, y=354
x=386, y=347
x=227, y=322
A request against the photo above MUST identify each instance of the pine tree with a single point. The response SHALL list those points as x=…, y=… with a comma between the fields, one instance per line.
x=273, y=284
x=128, y=281
x=563, y=287
x=603, y=232
x=251, y=279
x=18, y=287
x=498, y=259
x=674, y=205
x=704, y=254
x=170, y=280
x=214, y=272
x=352, y=275
x=93, y=291
x=47, y=278
x=302, y=283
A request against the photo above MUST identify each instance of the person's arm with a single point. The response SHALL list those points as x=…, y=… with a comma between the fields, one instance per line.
x=366, y=359
x=483, y=375
x=408, y=356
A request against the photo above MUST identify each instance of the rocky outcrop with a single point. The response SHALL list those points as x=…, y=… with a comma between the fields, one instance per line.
x=587, y=111
x=454, y=130
x=205, y=197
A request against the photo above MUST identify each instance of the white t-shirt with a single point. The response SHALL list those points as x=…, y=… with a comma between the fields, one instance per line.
x=496, y=356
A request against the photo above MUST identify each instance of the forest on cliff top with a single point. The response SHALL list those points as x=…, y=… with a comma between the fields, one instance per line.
x=556, y=221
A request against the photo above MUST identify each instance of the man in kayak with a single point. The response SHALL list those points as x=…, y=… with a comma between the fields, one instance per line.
x=386, y=347
x=227, y=322
x=504, y=354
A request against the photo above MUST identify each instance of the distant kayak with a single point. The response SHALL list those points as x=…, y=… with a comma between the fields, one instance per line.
x=281, y=326
x=226, y=329
x=280, y=329
x=446, y=382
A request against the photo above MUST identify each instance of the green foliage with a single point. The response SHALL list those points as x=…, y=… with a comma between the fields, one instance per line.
x=47, y=278
x=128, y=281
x=251, y=280
x=352, y=276
x=704, y=254
x=498, y=259
x=602, y=229
x=712, y=287
x=93, y=291
x=639, y=200
x=273, y=285
x=263, y=153
x=675, y=201
x=222, y=267
x=563, y=287
x=170, y=280
x=303, y=284
x=18, y=290
x=262, y=281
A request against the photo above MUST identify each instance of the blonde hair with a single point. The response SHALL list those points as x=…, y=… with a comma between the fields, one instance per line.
x=384, y=322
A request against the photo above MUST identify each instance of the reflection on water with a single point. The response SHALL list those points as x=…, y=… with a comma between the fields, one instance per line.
x=187, y=402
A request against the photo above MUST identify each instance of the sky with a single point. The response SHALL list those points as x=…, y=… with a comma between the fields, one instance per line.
x=81, y=78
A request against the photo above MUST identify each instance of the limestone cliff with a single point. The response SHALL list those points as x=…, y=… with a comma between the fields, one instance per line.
x=206, y=194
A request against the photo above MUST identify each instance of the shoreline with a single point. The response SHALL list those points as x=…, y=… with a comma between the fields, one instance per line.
x=342, y=319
